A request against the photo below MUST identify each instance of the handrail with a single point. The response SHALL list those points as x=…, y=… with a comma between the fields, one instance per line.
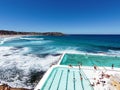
x=86, y=77
x=80, y=70
x=84, y=74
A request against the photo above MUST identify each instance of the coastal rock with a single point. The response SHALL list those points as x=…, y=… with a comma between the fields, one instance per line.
x=7, y=87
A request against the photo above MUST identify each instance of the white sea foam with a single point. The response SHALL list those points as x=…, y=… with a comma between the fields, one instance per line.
x=114, y=52
x=3, y=40
x=15, y=67
x=36, y=41
x=32, y=38
x=71, y=51
x=74, y=51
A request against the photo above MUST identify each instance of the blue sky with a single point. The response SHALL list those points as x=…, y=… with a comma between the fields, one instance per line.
x=67, y=16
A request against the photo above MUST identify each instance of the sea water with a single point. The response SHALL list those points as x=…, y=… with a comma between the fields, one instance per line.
x=24, y=59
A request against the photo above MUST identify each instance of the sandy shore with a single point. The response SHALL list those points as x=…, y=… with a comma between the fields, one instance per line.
x=14, y=36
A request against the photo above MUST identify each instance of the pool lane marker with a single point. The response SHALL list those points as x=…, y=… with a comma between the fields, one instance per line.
x=67, y=78
x=81, y=79
x=53, y=79
x=74, y=79
x=59, y=80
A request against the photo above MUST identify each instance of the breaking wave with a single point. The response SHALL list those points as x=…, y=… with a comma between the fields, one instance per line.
x=3, y=40
x=75, y=51
x=17, y=67
x=32, y=38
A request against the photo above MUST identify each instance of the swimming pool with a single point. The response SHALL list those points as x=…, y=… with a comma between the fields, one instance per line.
x=90, y=60
x=62, y=78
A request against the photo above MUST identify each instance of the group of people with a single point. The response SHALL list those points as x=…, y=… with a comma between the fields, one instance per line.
x=101, y=79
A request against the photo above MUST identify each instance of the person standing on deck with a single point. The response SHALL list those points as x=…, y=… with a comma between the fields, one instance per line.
x=112, y=66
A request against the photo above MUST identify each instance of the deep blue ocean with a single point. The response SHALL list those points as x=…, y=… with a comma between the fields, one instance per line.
x=23, y=58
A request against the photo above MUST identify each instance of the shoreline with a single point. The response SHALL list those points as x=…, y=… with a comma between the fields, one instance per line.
x=7, y=36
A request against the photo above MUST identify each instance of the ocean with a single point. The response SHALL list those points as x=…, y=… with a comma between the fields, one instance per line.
x=24, y=59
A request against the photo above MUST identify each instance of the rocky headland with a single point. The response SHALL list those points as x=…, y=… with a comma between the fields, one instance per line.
x=7, y=32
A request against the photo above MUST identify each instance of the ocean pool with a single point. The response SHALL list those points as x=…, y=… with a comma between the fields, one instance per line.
x=90, y=60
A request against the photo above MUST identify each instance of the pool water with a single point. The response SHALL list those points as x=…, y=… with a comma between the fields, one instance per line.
x=67, y=79
x=90, y=60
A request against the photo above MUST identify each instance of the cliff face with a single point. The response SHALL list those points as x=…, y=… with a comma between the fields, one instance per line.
x=6, y=32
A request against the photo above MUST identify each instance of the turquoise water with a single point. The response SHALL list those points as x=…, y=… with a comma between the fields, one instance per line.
x=52, y=44
x=28, y=57
x=66, y=79
x=90, y=60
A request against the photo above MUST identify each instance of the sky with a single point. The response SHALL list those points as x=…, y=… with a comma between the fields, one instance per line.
x=67, y=16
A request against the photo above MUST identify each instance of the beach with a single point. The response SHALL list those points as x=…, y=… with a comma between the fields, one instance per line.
x=14, y=36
